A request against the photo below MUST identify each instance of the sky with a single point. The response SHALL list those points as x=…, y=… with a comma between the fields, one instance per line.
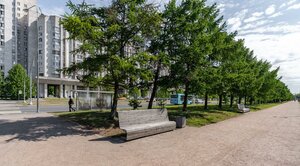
x=270, y=27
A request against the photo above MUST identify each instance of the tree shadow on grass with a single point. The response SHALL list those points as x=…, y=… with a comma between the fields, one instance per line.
x=39, y=129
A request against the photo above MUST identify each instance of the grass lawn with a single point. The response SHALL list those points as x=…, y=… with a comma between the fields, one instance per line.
x=196, y=116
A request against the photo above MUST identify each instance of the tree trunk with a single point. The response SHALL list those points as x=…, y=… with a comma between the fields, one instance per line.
x=231, y=100
x=251, y=101
x=113, y=111
x=245, y=102
x=240, y=100
x=206, y=101
x=155, y=86
x=186, y=92
x=220, y=101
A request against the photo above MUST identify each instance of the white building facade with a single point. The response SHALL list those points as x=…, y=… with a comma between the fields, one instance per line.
x=17, y=28
x=54, y=54
x=27, y=36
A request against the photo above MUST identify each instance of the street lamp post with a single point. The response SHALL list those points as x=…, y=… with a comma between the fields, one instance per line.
x=37, y=65
x=24, y=87
x=30, y=85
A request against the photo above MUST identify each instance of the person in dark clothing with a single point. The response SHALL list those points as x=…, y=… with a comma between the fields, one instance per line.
x=71, y=102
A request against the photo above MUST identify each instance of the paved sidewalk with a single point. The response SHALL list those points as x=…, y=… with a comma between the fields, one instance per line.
x=269, y=137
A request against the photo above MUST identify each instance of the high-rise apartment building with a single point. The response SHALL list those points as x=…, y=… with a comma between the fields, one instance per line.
x=54, y=52
x=28, y=37
x=17, y=28
x=26, y=34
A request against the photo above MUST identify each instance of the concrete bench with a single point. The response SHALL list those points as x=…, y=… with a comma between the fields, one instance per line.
x=242, y=108
x=141, y=123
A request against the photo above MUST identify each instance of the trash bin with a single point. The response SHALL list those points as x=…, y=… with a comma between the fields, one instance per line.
x=180, y=121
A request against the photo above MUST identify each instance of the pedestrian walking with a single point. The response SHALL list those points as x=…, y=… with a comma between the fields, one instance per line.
x=71, y=103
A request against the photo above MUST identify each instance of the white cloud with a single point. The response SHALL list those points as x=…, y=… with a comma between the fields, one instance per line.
x=282, y=6
x=221, y=5
x=273, y=34
x=252, y=19
x=233, y=21
x=277, y=29
x=257, y=14
x=236, y=21
x=276, y=15
x=282, y=49
x=231, y=5
x=291, y=2
x=287, y=4
x=254, y=25
x=296, y=6
x=270, y=10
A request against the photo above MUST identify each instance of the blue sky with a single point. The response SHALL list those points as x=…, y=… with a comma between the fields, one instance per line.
x=270, y=27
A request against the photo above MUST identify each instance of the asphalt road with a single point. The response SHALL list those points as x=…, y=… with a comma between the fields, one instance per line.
x=64, y=108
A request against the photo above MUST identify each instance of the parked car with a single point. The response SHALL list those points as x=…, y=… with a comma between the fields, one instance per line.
x=148, y=99
x=199, y=101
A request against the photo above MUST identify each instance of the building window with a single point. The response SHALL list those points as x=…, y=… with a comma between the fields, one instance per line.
x=40, y=51
x=2, y=36
x=40, y=39
x=1, y=24
x=1, y=43
x=55, y=52
x=25, y=5
x=1, y=6
x=18, y=9
x=40, y=27
x=18, y=3
x=18, y=15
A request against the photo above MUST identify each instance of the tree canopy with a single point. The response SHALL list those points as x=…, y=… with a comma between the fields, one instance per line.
x=131, y=45
x=113, y=37
x=16, y=80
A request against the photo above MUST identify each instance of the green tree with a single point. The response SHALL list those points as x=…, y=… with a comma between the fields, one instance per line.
x=107, y=35
x=15, y=82
x=158, y=47
x=193, y=26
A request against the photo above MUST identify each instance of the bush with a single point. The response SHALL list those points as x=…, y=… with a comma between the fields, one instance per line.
x=134, y=103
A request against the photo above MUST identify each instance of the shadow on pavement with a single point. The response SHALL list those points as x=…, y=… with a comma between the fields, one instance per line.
x=114, y=140
x=39, y=129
